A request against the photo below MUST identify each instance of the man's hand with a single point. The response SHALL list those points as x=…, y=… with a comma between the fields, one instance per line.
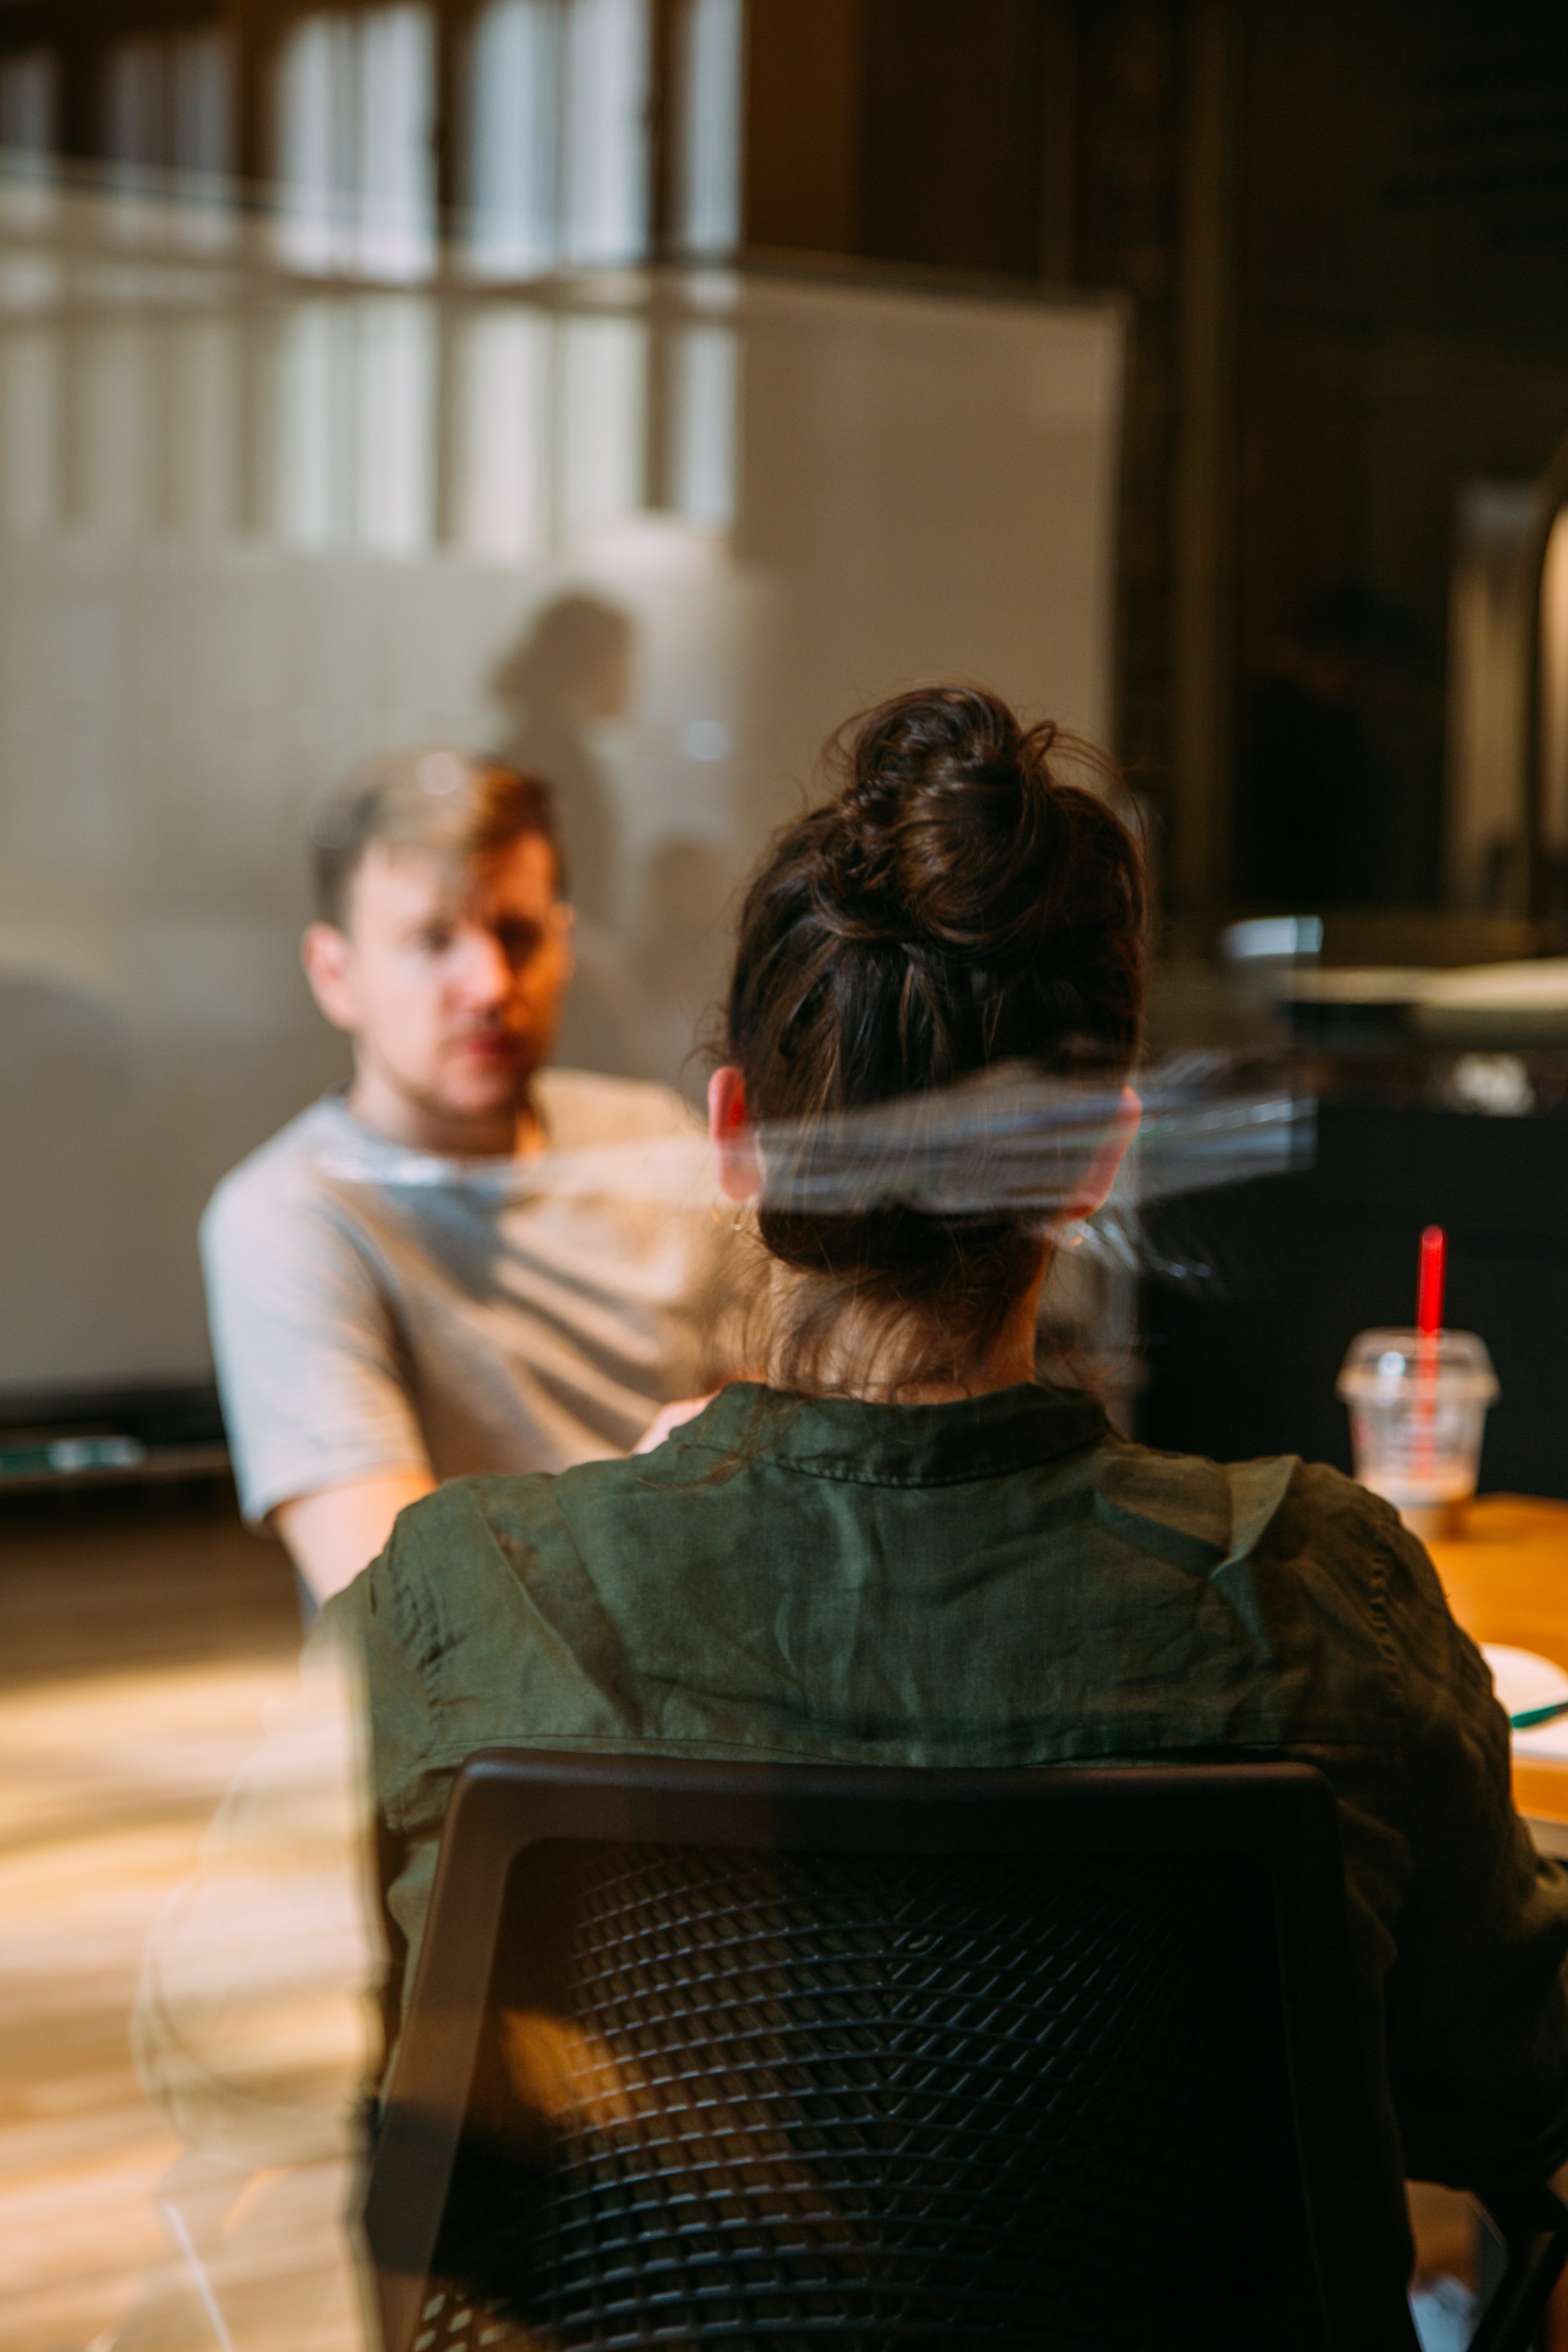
x=332, y=1535
x=670, y=1417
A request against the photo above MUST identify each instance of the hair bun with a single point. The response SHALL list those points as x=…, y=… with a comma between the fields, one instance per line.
x=951, y=825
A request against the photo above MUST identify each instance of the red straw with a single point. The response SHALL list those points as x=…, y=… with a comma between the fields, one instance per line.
x=1429, y=1293
x=1428, y=1324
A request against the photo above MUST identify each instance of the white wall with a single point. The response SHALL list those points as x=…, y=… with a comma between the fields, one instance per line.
x=250, y=532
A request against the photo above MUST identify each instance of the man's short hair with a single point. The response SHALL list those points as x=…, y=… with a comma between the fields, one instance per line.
x=458, y=806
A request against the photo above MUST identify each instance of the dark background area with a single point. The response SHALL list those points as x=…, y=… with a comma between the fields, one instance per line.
x=1242, y=1361
x=1343, y=230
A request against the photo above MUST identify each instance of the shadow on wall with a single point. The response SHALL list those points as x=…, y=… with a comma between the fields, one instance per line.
x=574, y=667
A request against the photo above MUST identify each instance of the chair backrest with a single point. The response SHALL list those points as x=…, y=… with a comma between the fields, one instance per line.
x=704, y=2053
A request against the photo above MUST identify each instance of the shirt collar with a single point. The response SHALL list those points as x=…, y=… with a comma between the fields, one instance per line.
x=896, y=1445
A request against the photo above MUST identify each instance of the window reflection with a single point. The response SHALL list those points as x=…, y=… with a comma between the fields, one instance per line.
x=29, y=127
x=708, y=145
x=29, y=107
x=168, y=117
x=504, y=378
x=704, y=417
x=515, y=66
x=356, y=187
x=557, y=135
x=1554, y=719
x=604, y=390
x=29, y=441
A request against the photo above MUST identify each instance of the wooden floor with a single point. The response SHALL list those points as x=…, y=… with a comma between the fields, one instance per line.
x=142, y=1638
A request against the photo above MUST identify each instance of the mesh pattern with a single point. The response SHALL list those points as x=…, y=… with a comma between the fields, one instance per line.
x=901, y=2101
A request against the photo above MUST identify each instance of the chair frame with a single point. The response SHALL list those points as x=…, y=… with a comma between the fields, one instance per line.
x=1280, y=1815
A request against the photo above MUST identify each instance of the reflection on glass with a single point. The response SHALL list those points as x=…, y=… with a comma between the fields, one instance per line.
x=557, y=135
x=29, y=128
x=166, y=107
x=205, y=408
x=605, y=118
x=704, y=418
x=29, y=444
x=29, y=106
x=708, y=145
x=1554, y=705
x=254, y=526
x=1483, y=811
x=603, y=369
x=503, y=407
x=515, y=66
x=356, y=190
x=574, y=667
x=356, y=439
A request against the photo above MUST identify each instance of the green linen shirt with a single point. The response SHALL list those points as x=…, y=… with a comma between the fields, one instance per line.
x=1001, y=1580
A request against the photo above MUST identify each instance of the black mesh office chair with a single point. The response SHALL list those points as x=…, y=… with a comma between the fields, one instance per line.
x=714, y=2054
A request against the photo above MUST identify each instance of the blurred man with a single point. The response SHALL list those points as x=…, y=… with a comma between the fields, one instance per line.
x=465, y=1262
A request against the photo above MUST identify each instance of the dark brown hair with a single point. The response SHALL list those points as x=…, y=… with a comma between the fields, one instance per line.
x=451, y=804
x=957, y=905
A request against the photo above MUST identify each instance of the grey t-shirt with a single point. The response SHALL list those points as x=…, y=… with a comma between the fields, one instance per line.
x=374, y=1308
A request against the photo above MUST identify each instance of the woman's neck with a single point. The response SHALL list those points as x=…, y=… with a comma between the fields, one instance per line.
x=861, y=1357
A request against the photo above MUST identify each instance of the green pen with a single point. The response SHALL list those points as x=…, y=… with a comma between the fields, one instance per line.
x=1535, y=1715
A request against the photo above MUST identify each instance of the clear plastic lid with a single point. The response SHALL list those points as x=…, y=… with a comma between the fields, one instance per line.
x=1379, y=1366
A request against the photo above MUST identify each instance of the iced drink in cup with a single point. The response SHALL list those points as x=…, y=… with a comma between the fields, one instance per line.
x=1418, y=1406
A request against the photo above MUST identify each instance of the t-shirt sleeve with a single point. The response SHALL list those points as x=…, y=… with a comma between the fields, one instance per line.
x=315, y=1393
x=1477, y=2006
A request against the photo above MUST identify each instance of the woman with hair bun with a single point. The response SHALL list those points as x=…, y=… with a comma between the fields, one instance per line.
x=896, y=1546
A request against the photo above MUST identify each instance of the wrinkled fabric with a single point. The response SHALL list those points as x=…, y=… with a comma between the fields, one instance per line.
x=1002, y=1580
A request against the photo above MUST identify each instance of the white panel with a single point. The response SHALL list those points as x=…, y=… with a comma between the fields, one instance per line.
x=135, y=104
x=927, y=485
x=708, y=153
x=1486, y=622
x=207, y=452
x=396, y=110
x=116, y=476
x=395, y=444
x=604, y=421
x=29, y=427
x=30, y=105
x=203, y=104
x=606, y=117
x=515, y=63
x=704, y=423
x=502, y=510
x=315, y=143
x=314, y=388
x=83, y=814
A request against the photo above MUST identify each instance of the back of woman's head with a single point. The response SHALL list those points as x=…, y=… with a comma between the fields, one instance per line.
x=956, y=906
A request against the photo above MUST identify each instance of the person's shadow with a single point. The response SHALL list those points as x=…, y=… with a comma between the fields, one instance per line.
x=573, y=666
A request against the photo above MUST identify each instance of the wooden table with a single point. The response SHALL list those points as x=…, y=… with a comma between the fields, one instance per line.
x=1507, y=1580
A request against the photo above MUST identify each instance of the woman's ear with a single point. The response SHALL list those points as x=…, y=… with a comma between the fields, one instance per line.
x=736, y=1159
x=1107, y=1162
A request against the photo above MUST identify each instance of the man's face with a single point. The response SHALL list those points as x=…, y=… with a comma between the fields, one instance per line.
x=451, y=992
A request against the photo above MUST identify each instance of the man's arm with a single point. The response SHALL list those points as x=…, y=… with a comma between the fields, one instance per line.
x=332, y=1535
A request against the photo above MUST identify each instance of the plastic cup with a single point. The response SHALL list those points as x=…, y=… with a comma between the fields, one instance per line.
x=1418, y=1408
